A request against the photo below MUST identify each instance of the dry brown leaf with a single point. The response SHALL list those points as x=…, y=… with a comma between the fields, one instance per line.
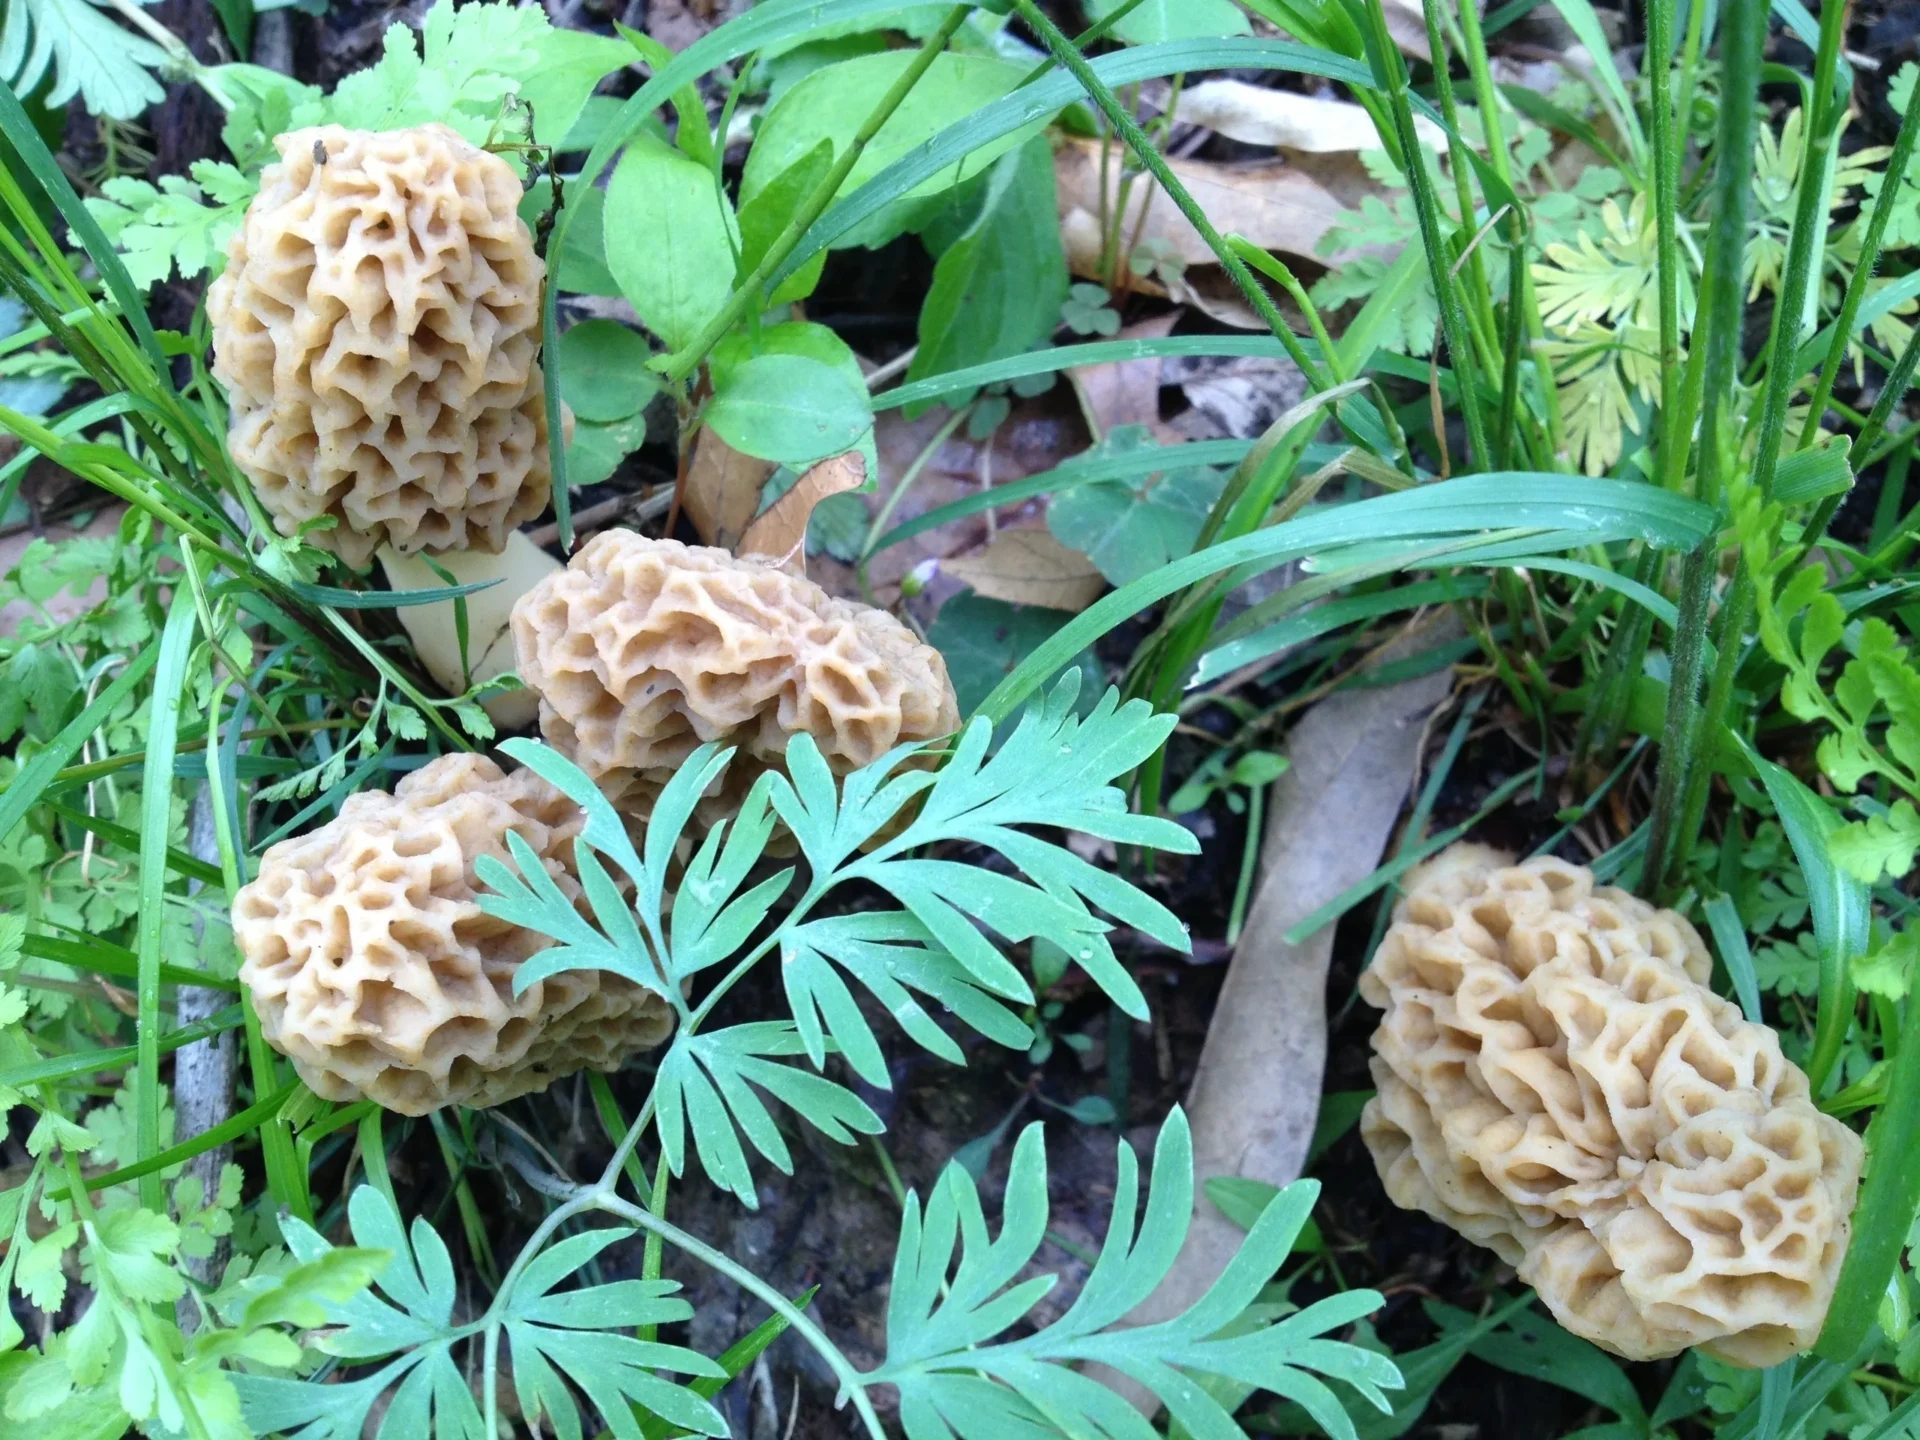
x=723, y=490
x=1030, y=567
x=782, y=531
x=1284, y=207
x=1123, y=392
x=1286, y=119
x=1256, y=1094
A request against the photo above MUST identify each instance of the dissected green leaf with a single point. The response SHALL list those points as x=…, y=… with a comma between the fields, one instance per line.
x=182, y=227
x=943, y=1317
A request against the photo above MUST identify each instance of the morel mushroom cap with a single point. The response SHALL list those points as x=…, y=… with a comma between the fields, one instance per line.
x=377, y=973
x=377, y=328
x=643, y=649
x=1557, y=1083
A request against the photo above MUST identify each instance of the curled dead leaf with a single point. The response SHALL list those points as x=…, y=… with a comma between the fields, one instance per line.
x=723, y=490
x=782, y=531
x=1030, y=567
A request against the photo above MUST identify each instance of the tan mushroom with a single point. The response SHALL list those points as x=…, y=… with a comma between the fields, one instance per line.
x=643, y=649
x=378, y=331
x=1556, y=1082
x=377, y=973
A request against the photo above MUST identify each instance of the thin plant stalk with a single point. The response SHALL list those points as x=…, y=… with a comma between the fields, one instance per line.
x=1128, y=129
x=1789, y=327
x=1743, y=33
x=750, y=293
x=1390, y=71
x=1891, y=187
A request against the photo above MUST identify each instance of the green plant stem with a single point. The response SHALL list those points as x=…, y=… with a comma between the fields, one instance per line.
x=1486, y=97
x=1743, y=30
x=1074, y=63
x=1461, y=167
x=1883, y=207
x=1674, y=422
x=1891, y=393
x=750, y=294
x=1099, y=30
x=1789, y=327
x=1390, y=74
x=852, y=1382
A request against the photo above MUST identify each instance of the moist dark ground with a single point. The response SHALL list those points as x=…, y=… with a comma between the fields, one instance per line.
x=833, y=1223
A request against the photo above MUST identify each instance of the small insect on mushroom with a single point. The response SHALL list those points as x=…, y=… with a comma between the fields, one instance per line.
x=1557, y=1083
x=375, y=970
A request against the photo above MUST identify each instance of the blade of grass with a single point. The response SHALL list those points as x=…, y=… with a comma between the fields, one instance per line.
x=102, y=1062
x=1481, y=502
x=156, y=818
x=102, y=957
x=242, y=1124
x=1841, y=908
x=1888, y=1202
x=34, y=776
x=1391, y=78
x=1723, y=918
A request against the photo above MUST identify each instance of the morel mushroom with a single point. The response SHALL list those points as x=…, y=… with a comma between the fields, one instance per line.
x=377, y=973
x=1556, y=1082
x=377, y=328
x=642, y=650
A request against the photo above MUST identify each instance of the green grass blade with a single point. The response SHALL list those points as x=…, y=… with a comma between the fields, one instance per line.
x=156, y=816
x=181, y=864
x=1731, y=936
x=102, y=957
x=1130, y=465
x=1062, y=357
x=102, y=1062
x=1482, y=502
x=244, y=1123
x=1888, y=1202
x=33, y=153
x=34, y=777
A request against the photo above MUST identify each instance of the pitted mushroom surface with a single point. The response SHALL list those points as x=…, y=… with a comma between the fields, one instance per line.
x=1556, y=1082
x=377, y=328
x=377, y=973
x=642, y=650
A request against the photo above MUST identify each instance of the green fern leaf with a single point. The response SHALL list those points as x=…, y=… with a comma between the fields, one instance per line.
x=953, y=1379
x=108, y=67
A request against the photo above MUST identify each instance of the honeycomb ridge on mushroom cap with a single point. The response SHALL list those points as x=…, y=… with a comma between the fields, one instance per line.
x=641, y=650
x=377, y=328
x=377, y=973
x=1556, y=1082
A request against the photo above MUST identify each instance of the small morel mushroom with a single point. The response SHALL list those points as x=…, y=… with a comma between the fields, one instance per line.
x=377, y=328
x=642, y=650
x=1557, y=1082
x=377, y=973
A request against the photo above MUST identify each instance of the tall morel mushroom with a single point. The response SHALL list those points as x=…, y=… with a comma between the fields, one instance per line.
x=377, y=328
x=642, y=650
x=1556, y=1082
x=377, y=973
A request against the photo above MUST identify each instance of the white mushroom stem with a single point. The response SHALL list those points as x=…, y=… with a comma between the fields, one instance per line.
x=435, y=628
